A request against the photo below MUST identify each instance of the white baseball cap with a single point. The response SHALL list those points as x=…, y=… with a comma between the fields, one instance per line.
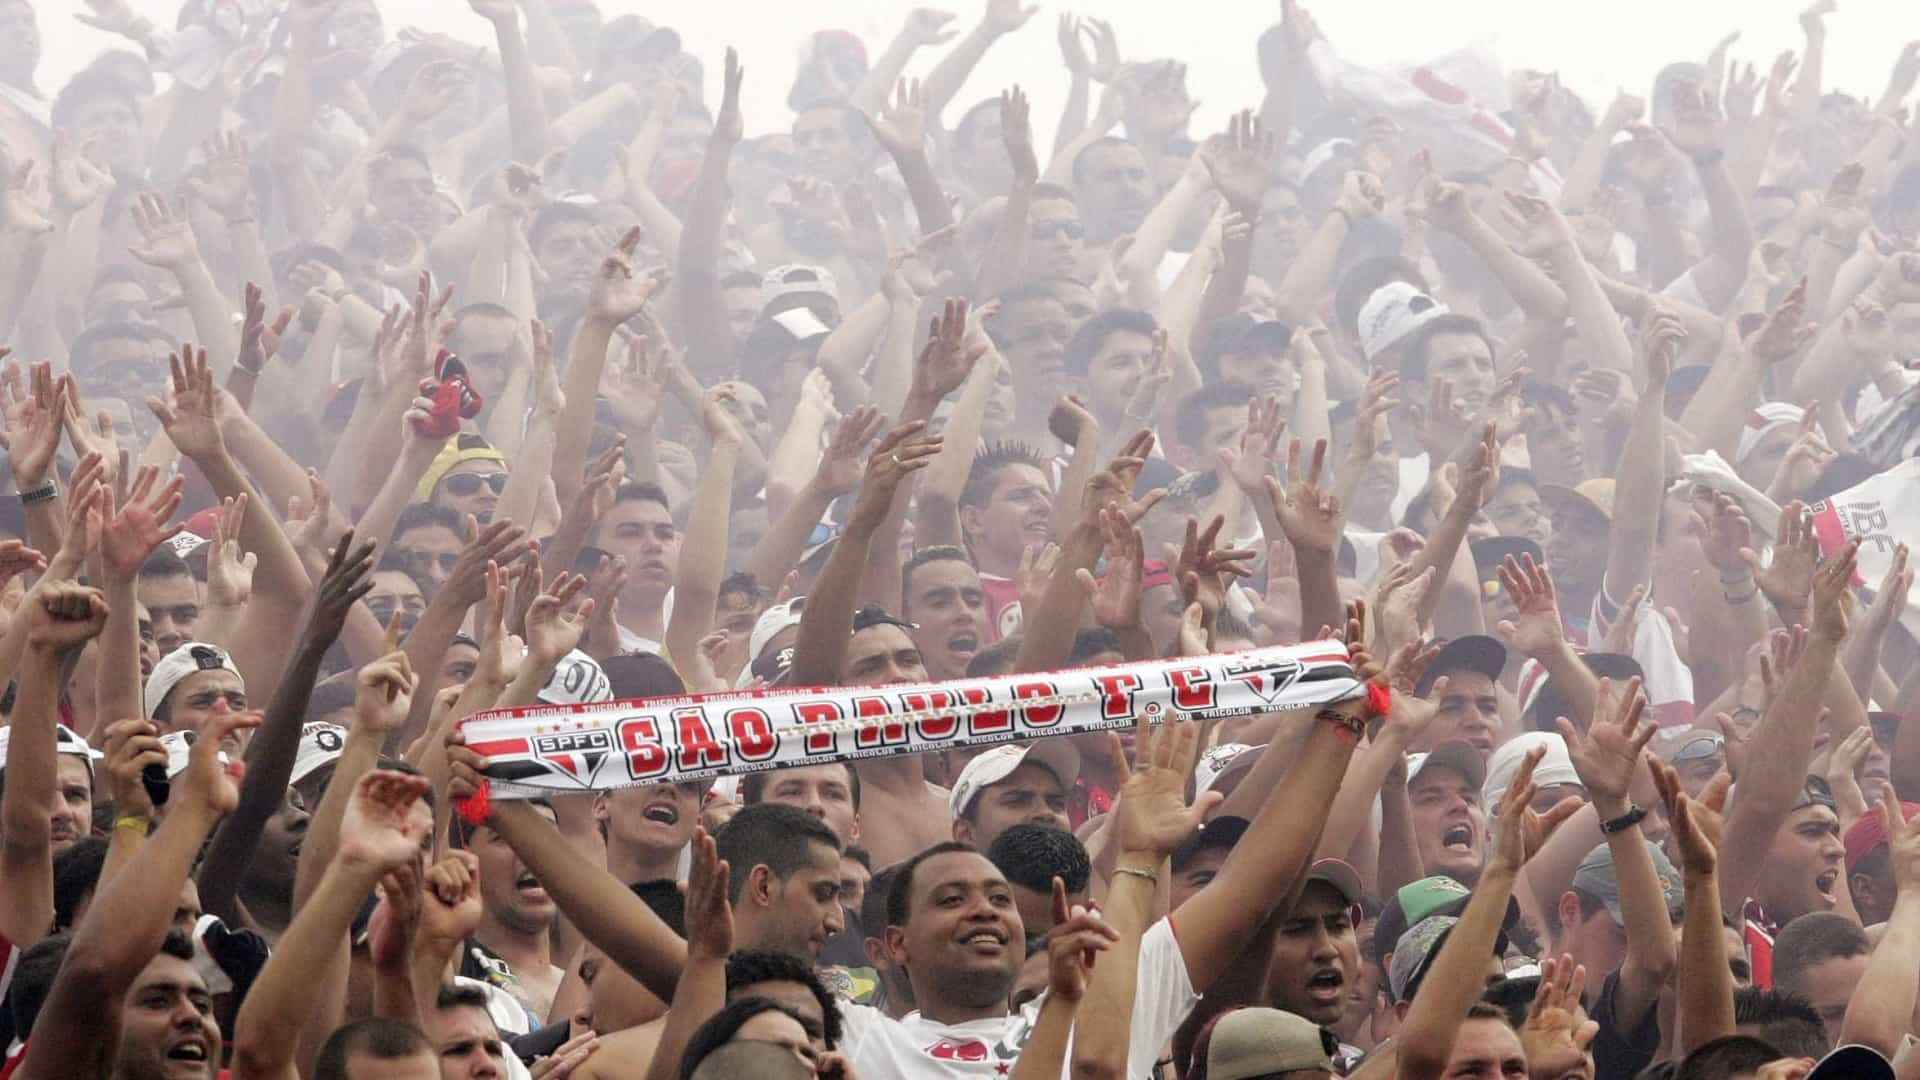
x=321, y=744
x=771, y=622
x=1220, y=761
x=179, y=747
x=65, y=741
x=194, y=656
x=1392, y=313
x=1555, y=768
x=576, y=680
x=1057, y=755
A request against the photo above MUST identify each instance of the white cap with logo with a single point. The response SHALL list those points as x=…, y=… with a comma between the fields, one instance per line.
x=985, y=770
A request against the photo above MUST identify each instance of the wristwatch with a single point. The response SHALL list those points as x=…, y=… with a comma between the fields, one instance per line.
x=1624, y=822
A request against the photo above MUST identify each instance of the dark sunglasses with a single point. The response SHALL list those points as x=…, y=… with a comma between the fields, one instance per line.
x=464, y=484
x=1072, y=230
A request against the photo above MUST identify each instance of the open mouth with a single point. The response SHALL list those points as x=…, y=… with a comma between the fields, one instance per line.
x=662, y=813
x=967, y=643
x=1327, y=986
x=1825, y=883
x=191, y=1050
x=991, y=942
x=1458, y=839
x=528, y=887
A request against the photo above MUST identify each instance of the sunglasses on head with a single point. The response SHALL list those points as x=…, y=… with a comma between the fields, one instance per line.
x=464, y=484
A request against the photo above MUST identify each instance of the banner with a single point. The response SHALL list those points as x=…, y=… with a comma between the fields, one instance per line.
x=568, y=749
x=1882, y=511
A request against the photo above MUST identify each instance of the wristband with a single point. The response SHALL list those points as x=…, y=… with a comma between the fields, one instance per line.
x=1149, y=876
x=137, y=824
x=1624, y=822
x=45, y=493
x=1736, y=601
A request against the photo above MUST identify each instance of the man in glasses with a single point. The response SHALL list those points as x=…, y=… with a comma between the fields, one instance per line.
x=1056, y=240
x=467, y=478
x=427, y=543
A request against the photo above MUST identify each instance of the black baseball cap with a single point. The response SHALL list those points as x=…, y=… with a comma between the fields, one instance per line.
x=1473, y=652
x=1220, y=834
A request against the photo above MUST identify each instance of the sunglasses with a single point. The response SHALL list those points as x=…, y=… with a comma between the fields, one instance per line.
x=1072, y=230
x=464, y=484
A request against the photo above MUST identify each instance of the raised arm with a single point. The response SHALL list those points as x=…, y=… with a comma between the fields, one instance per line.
x=166, y=240
x=696, y=280
x=270, y=753
x=944, y=81
x=1152, y=819
x=901, y=129
x=604, y=911
x=1606, y=755
x=1313, y=521
x=381, y=834
x=1705, y=1009
x=526, y=108
x=702, y=990
x=1006, y=260
x=1456, y=976
x=1642, y=472
x=1782, y=746
x=821, y=645
x=62, y=617
x=78, y=1030
x=1881, y=1009
x=703, y=551
x=617, y=295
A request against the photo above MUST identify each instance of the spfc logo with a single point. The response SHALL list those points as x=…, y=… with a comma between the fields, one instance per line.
x=575, y=755
x=1268, y=678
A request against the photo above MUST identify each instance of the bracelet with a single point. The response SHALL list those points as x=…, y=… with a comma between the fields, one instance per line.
x=138, y=824
x=45, y=493
x=1149, y=876
x=1624, y=822
x=1737, y=579
x=1736, y=601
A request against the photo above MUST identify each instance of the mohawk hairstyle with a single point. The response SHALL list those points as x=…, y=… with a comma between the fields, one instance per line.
x=987, y=465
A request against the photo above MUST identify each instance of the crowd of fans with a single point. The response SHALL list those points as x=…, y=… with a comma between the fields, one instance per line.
x=364, y=380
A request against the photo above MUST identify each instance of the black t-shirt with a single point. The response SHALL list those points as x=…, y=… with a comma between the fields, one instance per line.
x=1620, y=1054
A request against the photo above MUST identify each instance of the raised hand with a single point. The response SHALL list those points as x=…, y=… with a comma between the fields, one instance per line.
x=617, y=293
x=385, y=821
x=226, y=185
x=1259, y=452
x=948, y=357
x=1540, y=225
x=1698, y=824
x=450, y=898
x=500, y=542
x=1396, y=601
x=1723, y=530
x=1006, y=16
x=1903, y=839
x=1788, y=580
x=192, y=417
x=901, y=127
x=1833, y=592
x=1152, y=815
x=1077, y=938
x=1311, y=518
x=1520, y=832
x=1608, y=753
x=132, y=746
x=1016, y=133
x=166, y=238
x=1785, y=331
x=557, y=619
x=1238, y=162
x=341, y=586
x=63, y=615
x=1805, y=459
x=1697, y=128
x=138, y=527
x=1201, y=567
x=928, y=26
x=1536, y=629
x=1661, y=343
x=1556, y=1035
x=728, y=126
x=74, y=182
x=35, y=416
x=209, y=785
x=1115, y=597
x=904, y=451
x=383, y=689
x=1113, y=485
x=709, y=915
x=16, y=558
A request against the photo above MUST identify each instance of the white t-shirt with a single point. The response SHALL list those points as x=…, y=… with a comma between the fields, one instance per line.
x=916, y=1048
